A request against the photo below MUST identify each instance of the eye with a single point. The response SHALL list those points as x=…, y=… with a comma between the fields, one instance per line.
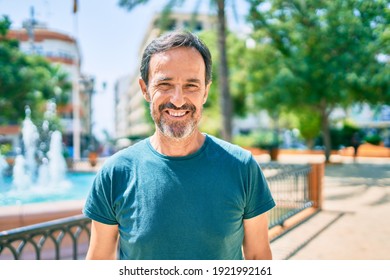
x=164, y=86
x=191, y=87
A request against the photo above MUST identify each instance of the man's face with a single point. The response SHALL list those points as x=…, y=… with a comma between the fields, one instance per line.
x=176, y=91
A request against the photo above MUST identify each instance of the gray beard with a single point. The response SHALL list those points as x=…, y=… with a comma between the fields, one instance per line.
x=176, y=130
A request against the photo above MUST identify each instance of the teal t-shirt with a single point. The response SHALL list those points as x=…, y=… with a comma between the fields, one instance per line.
x=179, y=208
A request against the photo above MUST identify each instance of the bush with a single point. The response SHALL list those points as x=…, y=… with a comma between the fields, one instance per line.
x=343, y=137
x=263, y=140
x=5, y=149
x=373, y=139
x=244, y=140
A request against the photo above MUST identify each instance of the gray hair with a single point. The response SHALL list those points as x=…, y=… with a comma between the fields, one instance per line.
x=173, y=40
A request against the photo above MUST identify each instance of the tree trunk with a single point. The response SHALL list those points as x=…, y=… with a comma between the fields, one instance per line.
x=225, y=98
x=310, y=143
x=326, y=131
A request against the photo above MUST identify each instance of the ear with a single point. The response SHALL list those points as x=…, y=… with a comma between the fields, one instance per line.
x=144, y=89
x=206, y=94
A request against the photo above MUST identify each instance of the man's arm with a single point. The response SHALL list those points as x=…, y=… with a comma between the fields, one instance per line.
x=256, y=243
x=103, y=243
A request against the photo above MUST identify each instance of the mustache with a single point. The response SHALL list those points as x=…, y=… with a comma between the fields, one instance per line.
x=169, y=105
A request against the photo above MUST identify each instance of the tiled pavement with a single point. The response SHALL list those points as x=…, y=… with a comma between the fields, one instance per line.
x=354, y=223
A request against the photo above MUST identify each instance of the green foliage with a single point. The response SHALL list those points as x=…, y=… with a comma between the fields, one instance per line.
x=373, y=139
x=242, y=62
x=322, y=54
x=264, y=139
x=211, y=121
x=325, y=50
x=5, y=148
x=209, y=37
x=5, y=25
x=244, y=140
x=27, y=80
x=131, y=4
x=342, y=137
x=309, y=123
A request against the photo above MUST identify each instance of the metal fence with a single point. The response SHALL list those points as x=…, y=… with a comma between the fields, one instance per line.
x=289, y=184
x=68, y=238
x=61, y=239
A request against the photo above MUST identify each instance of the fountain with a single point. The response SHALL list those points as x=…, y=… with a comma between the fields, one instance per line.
x=40, y=171
x=35, y=169
x=3, y=167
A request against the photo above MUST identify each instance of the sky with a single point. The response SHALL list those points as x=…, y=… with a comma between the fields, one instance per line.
x=109, y=38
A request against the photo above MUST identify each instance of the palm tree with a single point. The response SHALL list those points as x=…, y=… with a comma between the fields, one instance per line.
x=223, y=71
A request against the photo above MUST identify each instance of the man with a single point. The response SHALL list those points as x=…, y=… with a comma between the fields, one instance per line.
x=355, y=141
x=179, y=194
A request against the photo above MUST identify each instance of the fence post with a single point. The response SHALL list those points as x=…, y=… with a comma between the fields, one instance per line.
x=316, y=176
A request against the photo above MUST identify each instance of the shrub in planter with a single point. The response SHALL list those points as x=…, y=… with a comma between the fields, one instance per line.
x=373, y=139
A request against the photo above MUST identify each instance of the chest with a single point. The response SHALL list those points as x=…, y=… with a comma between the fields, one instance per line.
x=181, y=205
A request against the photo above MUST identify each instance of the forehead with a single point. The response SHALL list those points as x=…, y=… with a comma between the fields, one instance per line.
x=181, y=60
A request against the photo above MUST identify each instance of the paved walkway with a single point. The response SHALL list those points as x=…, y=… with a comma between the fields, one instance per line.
x=354, y=223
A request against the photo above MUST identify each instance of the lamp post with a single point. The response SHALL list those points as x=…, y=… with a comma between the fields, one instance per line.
x=76, y=117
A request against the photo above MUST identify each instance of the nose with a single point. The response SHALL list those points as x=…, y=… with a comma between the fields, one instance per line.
x=177, y=97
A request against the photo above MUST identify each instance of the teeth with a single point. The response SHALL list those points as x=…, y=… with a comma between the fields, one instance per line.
x=177, y=114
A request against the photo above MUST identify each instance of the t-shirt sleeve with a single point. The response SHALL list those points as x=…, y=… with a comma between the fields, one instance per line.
x=258, y=195
x=98, y=205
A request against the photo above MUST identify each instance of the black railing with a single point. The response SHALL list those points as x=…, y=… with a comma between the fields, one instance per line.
x=68, y=238
x=289, y=184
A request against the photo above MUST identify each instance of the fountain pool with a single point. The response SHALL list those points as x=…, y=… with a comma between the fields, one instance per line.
x=76, y=188
x=39, y=173
x=40, y=188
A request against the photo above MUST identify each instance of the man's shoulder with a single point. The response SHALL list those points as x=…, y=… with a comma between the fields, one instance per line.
x=127, y=155
x=229, y=149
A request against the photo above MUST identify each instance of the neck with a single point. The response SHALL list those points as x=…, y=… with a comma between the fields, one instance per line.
x=177, y=147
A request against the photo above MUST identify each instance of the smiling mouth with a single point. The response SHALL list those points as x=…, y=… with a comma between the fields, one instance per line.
x=176, y=114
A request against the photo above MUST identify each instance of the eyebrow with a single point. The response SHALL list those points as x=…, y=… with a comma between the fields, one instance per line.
x=191, y=80
x=162, y=79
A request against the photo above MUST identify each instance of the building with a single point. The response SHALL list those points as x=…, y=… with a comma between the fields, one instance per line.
x=62, y=49
x=131, y=110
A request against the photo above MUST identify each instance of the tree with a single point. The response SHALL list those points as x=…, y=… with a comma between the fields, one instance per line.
x=223, y=72
x=309, y=125
x=238, y=83
x=26, y=80
x=328, y=54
